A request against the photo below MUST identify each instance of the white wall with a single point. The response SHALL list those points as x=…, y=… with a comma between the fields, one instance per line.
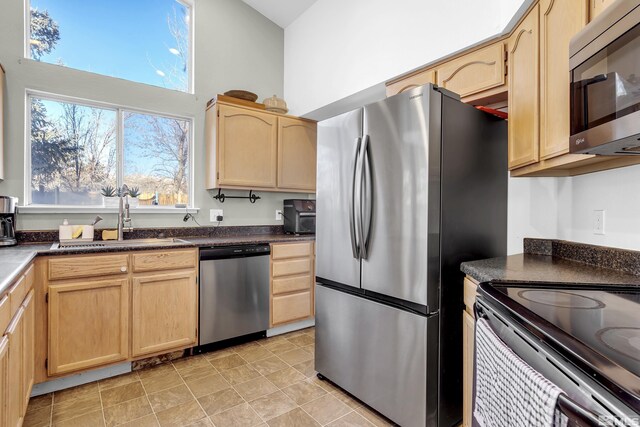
x=235, y=48
x=338, y=48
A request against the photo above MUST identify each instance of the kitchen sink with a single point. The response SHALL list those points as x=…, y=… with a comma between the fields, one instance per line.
x=117, y=243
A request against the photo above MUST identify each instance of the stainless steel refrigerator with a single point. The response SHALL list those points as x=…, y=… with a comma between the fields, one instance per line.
x=407, y=189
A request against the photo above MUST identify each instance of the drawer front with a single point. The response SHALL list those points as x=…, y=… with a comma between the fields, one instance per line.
x=165, y=260
x=470, y=290
x=291, y=284
x=30, y=277
x=87, y=266
x=17, y=294
x=290, y=267
x=291, y=250
x=287, y=308
x=476, y=72
x=5, y=314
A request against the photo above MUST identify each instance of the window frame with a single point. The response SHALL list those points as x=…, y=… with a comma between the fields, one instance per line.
x=189, y=4
x=120, y=111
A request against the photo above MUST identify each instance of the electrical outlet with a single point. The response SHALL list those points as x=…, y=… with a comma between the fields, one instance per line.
x=278, y=215
x=214, y=214
x=598, y=222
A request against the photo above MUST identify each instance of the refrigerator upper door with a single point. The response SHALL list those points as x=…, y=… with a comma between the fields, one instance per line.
x=401, y=196
x=337, y=199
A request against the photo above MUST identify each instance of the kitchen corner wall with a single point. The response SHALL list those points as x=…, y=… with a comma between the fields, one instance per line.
x=235, y=48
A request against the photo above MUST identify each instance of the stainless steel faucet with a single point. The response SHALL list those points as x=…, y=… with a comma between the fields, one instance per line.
x=123, y=213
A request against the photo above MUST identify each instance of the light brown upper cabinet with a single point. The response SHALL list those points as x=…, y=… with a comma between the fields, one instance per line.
x=88, y=324
x=247, y=147
x=297, y=154
x=475, y=72
x=253, y=149
x=559, y=21
x=157, y=300
x=524, y=81
x=411, y=81
x=597, y=6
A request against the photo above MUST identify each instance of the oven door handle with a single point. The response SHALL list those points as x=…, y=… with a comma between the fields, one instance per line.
x=579, y=415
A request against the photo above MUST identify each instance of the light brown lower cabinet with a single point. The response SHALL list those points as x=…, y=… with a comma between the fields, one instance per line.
x=4, y=372
x=88, y=324
x=156, y=301
x=468, y=324
x=28, y=347
x=15, y=379
x=292, y=279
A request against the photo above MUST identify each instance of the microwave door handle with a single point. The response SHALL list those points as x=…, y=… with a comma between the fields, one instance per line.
x=585, y=89
x=352, y=227
x=580, y=416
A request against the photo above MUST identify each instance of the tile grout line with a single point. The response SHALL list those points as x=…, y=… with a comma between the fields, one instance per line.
x=194, y=396
x=149, y=401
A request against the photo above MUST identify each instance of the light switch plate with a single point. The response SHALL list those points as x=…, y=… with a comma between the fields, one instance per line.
x=214, y=213
x=278, y=215
x=598, y=222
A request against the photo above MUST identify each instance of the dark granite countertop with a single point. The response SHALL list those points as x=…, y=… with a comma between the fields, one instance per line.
x=556, y=261
x=13, y=260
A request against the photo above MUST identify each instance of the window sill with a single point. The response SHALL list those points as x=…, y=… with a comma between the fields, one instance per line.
x=99, y=209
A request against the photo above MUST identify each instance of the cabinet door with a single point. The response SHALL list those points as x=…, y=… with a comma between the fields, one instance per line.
x=524, y=90
x=88, y=324
x=165, y=312
x=28, y=356
x=297, y=154
x=597, y=6
x=408, y=83
x=4, y=377
x=247, y=143
x=475, y=72
x=559, y=21
x=467, y=367
x=15, y=385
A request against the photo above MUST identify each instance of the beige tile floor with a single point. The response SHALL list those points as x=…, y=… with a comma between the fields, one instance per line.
x=267, y=382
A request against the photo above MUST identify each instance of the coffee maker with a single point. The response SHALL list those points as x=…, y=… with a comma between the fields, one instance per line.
x=8, y=220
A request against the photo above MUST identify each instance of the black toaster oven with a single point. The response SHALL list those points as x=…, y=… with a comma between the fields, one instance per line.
x=299, y=216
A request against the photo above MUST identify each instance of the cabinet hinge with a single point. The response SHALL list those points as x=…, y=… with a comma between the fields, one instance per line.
x=218, y=175
x=46, y=363
x=218, y=112
x=46, y=297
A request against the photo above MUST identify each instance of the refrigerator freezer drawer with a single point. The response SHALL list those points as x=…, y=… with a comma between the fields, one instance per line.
x=379, y=354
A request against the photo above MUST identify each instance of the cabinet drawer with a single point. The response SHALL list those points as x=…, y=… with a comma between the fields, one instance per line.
x=17, y=294
x=291, y=250
x=470, y=290
x=87, y=266
x=287, y=308
x=290, y=267
x=166, y=260
x=5, y=314
x=291, y=284
x=475, y=72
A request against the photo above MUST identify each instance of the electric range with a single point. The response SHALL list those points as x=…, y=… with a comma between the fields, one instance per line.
x=591, y=334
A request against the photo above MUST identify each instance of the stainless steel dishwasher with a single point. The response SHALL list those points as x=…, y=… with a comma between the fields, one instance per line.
x=234, y=292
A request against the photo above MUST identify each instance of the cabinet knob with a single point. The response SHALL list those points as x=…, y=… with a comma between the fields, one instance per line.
x=123, y=269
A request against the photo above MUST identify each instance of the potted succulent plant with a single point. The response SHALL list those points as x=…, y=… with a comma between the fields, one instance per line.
x=109, y=197
x=134, y=193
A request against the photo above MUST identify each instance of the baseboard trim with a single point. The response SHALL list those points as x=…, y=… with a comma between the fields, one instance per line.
x=79, y=379
x=290, y=327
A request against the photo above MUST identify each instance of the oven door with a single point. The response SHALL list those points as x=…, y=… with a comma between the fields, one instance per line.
x=605, y=98
x=585, y=402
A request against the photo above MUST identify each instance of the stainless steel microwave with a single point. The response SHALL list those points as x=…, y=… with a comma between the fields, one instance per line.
x=605, y=83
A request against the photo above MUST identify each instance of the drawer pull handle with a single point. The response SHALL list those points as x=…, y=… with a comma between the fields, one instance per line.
x=123, y=269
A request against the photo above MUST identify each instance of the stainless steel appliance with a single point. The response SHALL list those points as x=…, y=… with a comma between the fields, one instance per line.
x=299, y=216
x=583, y=338
x=605, y=83
x=8, y=220
x=234, y=292
x=407, y=189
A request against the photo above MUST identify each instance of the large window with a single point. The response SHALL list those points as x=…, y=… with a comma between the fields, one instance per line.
x=79, y=149
x=146, y=41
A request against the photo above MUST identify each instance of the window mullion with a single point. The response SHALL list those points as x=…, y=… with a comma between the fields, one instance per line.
x=120, y=149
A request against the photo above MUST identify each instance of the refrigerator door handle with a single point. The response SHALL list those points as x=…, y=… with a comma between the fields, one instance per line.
x=364, y=199
x=368, y=197
x=355, y=248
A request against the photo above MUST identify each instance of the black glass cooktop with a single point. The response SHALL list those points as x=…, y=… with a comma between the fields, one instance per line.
x=606, y=321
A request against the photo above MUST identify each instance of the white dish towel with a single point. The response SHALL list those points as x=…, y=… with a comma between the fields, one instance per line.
x=508, y=392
